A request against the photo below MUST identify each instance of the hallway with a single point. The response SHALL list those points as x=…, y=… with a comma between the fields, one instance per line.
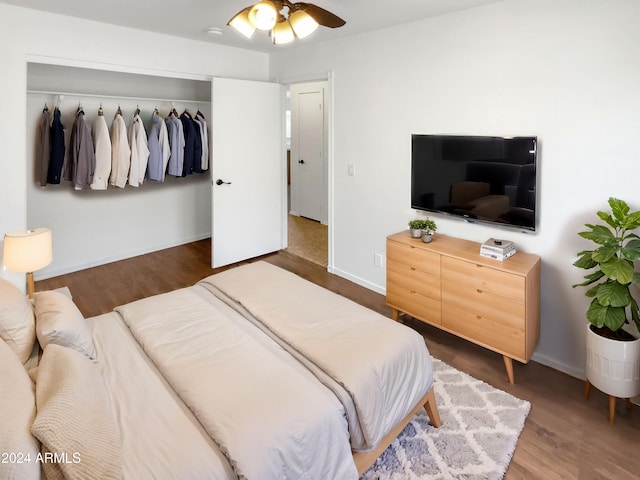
x=308, y=239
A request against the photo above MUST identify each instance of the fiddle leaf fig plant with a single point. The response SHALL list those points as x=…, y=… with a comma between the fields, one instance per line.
x=612, y=267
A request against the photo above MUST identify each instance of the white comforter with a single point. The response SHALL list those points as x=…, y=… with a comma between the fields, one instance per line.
x=161, y=439
x=266, y=413
x=377, y=367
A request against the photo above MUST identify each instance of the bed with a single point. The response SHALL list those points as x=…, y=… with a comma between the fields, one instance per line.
x=251, y=373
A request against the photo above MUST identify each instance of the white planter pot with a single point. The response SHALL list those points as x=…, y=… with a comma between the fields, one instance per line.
x=613, y=367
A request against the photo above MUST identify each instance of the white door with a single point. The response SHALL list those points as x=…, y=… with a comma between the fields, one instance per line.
x=308, y=142
x=248, y=172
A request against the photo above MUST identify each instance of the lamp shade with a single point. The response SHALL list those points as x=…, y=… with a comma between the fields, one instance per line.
x=263, y=15
x=303, y=24
x=28, y=251
x=282, y=32
x=242, y=24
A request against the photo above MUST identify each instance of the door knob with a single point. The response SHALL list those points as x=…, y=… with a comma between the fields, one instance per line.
x=301, y=161
x=222, y=182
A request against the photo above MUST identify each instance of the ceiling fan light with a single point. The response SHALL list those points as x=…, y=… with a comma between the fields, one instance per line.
x=303, y=24
x=282, y=33
x=263, y=15
x=242, y=24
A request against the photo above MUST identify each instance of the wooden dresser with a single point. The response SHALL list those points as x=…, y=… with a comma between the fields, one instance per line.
x=447, y=284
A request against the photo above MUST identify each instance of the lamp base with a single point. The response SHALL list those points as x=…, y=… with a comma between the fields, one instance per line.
x=30, y=285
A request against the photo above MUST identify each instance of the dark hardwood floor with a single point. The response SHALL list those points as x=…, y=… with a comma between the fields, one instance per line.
x=565, y=436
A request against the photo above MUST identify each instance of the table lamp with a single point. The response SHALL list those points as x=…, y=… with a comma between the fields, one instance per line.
x=27, y=252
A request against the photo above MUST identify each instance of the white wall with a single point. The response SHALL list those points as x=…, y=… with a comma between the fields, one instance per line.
x=564, y=70
x=32, y=36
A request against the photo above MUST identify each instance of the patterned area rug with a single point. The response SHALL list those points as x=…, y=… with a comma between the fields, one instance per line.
x=480, y=429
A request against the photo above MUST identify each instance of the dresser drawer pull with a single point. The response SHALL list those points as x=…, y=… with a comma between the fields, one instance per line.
x=413, y=269
x=479, y=291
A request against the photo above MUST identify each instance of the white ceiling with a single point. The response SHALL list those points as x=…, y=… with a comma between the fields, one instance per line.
x=192, y=18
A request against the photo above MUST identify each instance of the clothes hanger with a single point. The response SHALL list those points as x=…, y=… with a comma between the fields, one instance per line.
x=100, y=112
x=46, y=108
x=137, y=110
x=119, y=111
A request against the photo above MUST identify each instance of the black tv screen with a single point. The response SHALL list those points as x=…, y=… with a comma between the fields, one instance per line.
x=478, y=178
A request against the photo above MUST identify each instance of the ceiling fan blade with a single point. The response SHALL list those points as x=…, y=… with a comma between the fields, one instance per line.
x=320, y=15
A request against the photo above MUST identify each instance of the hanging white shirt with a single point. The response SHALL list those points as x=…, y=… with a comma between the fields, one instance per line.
x=120, y=152
x=139, y=152
x=102, y=146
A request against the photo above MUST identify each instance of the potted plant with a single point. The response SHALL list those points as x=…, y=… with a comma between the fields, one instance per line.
x=422, y=226
x=416, y=226
x=613, y=353
x=428, y=230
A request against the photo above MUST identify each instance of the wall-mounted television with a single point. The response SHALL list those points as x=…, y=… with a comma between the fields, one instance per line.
x=477, y=178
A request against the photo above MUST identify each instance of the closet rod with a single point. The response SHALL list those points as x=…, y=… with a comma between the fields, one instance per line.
x=114, y=97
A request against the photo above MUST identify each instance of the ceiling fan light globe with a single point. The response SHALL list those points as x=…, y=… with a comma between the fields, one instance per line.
x=242, y=24
x=263, y=15
x=282, y=33
x=302, y=23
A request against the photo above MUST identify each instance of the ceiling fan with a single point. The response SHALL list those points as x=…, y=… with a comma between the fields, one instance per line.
x=301, y=19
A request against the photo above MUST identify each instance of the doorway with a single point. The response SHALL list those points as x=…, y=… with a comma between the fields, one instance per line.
x=308, y=171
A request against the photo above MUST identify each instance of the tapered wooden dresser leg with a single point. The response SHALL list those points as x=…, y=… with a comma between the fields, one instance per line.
x=508, y=364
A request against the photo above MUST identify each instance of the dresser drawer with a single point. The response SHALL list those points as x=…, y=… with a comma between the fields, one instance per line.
x=484, y=278
x=485, y=304
x=486, y=331
x=414, y=303
x=415, y=257
x=412, y=279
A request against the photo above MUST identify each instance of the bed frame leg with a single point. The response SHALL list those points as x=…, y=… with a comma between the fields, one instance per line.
x=432, y=409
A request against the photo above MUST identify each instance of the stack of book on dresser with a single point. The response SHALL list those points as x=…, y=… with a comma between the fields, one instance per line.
x=497, y=249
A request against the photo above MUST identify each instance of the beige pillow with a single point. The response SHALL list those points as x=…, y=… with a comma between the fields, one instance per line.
x=17, y=413
x=59, y=321
x=75, y=417
x=17, y=326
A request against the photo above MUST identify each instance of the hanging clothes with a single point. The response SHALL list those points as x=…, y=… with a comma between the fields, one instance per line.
x=155, y=170
x=102, y=144
x=175, y=132
x=120, y=152
x=82, y=159
x=163, y=138
x=190, y=142
x=56, y=158
x=204, y=163
x=43, y=154
x=139, y=151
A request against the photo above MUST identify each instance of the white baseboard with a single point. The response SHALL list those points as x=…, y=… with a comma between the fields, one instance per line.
x=54, y=272
x=360, y=281
x=561, y=367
